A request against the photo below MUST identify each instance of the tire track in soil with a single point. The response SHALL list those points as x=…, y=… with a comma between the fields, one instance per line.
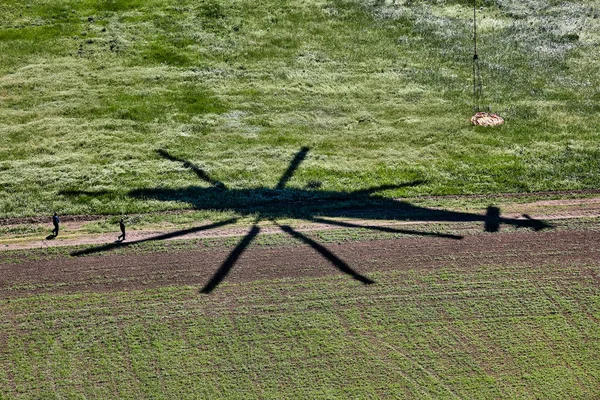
x=195, y=267
x=384, y=359
x=434, y=377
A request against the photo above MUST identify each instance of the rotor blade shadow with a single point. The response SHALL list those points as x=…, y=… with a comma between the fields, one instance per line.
x=335, y=260
x=300, y=156
x=372, y=190
x=230, y=261
x=165, y=236
x=197, y=170
x=385, y=229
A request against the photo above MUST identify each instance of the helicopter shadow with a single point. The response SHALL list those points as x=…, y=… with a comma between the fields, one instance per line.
x=318, y=206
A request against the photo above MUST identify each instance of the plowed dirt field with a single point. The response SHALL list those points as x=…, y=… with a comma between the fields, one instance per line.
x=196, y=266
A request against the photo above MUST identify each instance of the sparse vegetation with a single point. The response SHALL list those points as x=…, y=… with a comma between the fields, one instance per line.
x=477, y=332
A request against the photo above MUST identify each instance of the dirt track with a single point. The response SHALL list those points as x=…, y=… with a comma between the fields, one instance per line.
x=196, y=267
x=304, y=257
x=546, y=210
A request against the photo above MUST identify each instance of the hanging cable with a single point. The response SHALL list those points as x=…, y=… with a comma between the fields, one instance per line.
x=477, y=81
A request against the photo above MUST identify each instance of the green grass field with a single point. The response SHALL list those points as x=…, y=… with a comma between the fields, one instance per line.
x=381, y=91
x=478, y=333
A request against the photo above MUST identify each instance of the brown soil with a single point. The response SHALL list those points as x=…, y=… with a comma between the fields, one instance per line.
x=196, y=267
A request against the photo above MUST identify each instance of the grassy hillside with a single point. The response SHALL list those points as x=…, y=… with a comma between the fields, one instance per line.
x=381, y=91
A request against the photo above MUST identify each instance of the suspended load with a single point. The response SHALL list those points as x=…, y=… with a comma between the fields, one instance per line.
x=480, y=118
x=486, y=119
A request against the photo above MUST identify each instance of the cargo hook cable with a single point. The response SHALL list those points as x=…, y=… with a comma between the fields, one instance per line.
x=477, y=81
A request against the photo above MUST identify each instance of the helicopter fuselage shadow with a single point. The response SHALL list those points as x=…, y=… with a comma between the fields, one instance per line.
x=304, y=204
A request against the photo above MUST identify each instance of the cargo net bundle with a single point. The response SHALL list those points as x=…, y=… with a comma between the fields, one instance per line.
x=486, y=119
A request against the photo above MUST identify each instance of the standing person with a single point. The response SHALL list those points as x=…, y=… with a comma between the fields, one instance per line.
x=55, y=222
x=122, y=226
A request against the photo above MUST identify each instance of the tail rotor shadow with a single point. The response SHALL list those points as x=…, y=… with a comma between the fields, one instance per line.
x=535, y=224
